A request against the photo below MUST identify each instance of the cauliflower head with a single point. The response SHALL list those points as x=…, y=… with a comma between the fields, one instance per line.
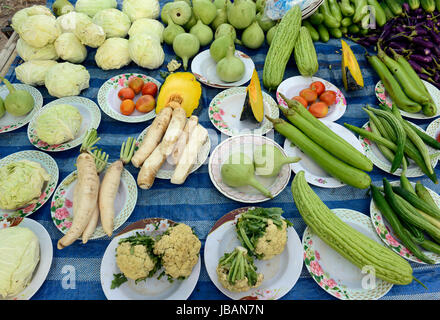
x=114, y=22
x=113, y=54
x=179, y=250
x=134, y=261
x=66, y=79
x=27, y=52
x=272, y=242
x=146, y=51
x=39, y=30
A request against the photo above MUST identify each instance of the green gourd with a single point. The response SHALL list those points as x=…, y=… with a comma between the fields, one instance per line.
x=305, y=54
x=270, y=34
x=226, y=29
x=230, y=68
x=192, y=21
x=241, y=13
x=265, y=23
x=269, y=160
x=171, y=31
x=180, y=12
x=239, y=171
x=222, y=17
x=2, y=108
x=253, y=36
x=219, y=47
x=18, y=102
x=202, y=32
x=205, y=10
x=186, y=46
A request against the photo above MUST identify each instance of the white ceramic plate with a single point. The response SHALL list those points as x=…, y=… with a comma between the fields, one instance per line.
x=167, y=169
x=51, y=167
x=280, y=273
x=9, y=122
x=336, y=275
x=387, y=235
x=151, y=288
x=373, y=153
x=204, y=69
x=46, y=255
x=225, y=110
x=383, y=97
x=291, y=87
x=109, y=101
x=314, y=174
x=61, y=207
x=91, y=117
x=246, y=194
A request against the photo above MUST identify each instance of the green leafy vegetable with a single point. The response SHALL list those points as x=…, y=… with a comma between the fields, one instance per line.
x=238, y=265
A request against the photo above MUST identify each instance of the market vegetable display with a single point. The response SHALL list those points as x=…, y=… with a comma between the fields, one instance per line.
x=263, y=232
x=21, y=184
x=20, y=252
x=58, y=124
x=236, y=271
x=347, y=241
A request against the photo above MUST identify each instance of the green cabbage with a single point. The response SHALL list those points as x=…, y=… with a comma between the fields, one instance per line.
x=21, y=183
x=66, y=79
x=20, y=254
x=92, y=7
x=58, y=124
x=114, y=22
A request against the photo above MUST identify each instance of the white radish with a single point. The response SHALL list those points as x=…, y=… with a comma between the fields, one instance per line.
x=153, y=137
x=183, y=139
x=91, y=226
x=174, y=131
x=189, y=155
x=151, y=166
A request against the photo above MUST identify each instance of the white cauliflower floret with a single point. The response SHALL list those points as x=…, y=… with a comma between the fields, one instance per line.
x=134, y=261
x=179, y=250
x=272, y=242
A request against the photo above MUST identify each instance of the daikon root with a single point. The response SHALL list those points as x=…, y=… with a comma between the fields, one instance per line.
x=174, y=131
x=183, y=139
x=151, y=166
x=91, y=226
x=153, y=137
x=189, y=155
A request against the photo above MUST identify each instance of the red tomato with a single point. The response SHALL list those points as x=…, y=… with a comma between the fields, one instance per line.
x=126, y=93
x=149, y=88
x=319, y=109
x=309, y=95
x=301, y=100
x=145, y=103
x=136, y=84
x=127, y=107
x=318, y=86
x=329, y=97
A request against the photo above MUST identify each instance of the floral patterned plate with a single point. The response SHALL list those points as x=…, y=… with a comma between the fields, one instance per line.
x=109, y=101
x=204, y=69
x=91, y=117
x=246, y=194
x=152, y=288
x=46, y=255
x=383, y=97
x=167, y=169
x=280, y=273
x=225, y=110
x=336, y=275
x=61, y=207
x=49, y=164
x=9, y=122
x=291, y=87
x=372, y=152
x=313, y=172
x=387, y=235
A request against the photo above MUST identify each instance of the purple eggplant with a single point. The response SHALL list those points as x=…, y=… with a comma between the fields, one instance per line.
x=420, y=58
x=423, y=42
x=417, y=67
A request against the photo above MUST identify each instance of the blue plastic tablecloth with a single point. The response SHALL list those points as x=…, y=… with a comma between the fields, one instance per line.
x=197, y=202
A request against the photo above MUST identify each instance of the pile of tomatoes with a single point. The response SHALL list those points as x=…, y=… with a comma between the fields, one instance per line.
x=317, y=99
x=145, y=103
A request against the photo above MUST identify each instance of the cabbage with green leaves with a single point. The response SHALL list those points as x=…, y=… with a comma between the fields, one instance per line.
x=21, y=15
x=146, y=25
x=33, y=72
x=113, y=54
x=114, y=22
x=69, y=21
x=69, y=48
x=58, y=124
x=66, y=79
x=27, y=52
x=137, y=9
x=146, y=51
x=21, y=184
x=39, y=30
x=20, y=254
x=92, y=7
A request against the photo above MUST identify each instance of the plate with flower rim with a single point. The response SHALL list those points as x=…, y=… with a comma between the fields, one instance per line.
x=387, y=235
x=225, y=111
x=167, y=169
x=314, y=174
x=280, y=273
x=204, y=69
x=91, y=117
x=51, y=167
x=335, y=274
x=384, y=98
x=109, y=101
x=291, y=87
x=61, y=208
x=9, y=122
x=245, y=144
x=373, y=153
x=154, y=288
x=46, y=254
